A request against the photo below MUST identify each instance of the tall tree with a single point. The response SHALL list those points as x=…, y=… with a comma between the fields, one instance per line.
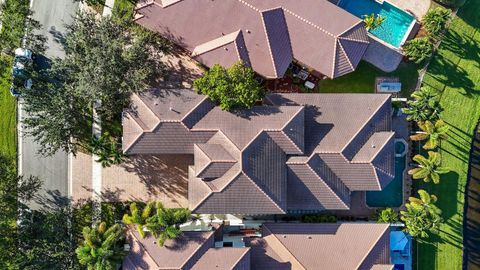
x=165, y=223
x=422, y=216
x=424, y=105
x=235, y=87
x=428, y=168
x=433, y=133
x=102, y=247
x=106, y=61
x=138, y=217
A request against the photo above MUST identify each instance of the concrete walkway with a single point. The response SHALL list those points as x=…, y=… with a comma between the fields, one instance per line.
x=471, y=225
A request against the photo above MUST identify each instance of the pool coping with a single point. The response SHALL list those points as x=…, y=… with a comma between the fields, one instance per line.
x=403, y=178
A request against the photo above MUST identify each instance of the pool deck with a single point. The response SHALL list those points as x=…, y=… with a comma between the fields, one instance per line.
x=417, y=8
x=382, y=56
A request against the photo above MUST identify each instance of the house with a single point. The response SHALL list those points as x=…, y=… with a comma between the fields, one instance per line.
x=266, y=34
x=294, y=154
x=282, y=246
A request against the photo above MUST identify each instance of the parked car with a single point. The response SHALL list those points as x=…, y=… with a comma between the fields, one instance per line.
x=23, y=54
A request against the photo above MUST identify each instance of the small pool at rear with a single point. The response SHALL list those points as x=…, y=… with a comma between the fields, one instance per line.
x=396, y=26
x=392, y=194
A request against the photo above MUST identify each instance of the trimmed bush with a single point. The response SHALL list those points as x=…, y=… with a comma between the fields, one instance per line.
x=435, y=21
x=235, y=87
x=418, y=49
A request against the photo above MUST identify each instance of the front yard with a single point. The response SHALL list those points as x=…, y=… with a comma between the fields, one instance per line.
x=455, y=72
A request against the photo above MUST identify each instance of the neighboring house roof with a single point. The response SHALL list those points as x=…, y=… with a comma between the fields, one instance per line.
x=298, y=152
x=224, y=258
x=193, y=250
x=322, y=246
x=266, y=34
x=180, y=253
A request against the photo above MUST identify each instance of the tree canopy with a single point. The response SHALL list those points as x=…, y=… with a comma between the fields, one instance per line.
x=428, y=168
x=422, y=216
x=425, y=105
x=235, y=87
x=105, y=61
x=433, y=133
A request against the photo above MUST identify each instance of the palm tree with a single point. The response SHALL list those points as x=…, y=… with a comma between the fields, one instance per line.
x=428, y=168
x=422, y=215
x=139, y=217
x=107, y=149
x=387, y=215
x=102, y=248
x=372, y=22
x=165, y=224
x=425, y=106
x=433, y=133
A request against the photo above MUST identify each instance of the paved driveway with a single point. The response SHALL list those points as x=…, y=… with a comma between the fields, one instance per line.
x=53, y=15
x=140, y=178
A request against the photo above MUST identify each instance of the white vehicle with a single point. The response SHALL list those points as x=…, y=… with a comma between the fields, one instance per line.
x=23, y=54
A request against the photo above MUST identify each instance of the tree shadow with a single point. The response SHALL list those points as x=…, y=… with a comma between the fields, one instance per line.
x=161, y=174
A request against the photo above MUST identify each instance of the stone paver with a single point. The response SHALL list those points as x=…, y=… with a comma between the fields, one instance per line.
x=418, y=8
x=381, y=56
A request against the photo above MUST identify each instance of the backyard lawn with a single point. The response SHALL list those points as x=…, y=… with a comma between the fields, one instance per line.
x=363, y=79
x=455, y=72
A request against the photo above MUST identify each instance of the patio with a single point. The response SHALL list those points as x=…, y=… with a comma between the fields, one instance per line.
x=297, y=79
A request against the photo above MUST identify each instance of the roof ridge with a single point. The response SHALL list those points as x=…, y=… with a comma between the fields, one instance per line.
x=328, y=186
x=268, y=41
x=246, y=250
x=340, y=36
x=366, y=122
x=387, y=227
x=261, y=190
x=308, y=22
x=226, y=39
x=334, y=57
x=205, y=98
x=346, y=55
x=288, y=250
x=379, y=148
x=211, y=233
x=249, y=5
x=144, y=248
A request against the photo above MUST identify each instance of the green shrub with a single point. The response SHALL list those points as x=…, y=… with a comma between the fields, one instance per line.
x=435, y=21
x=235, y=87
x=319, y=218
x=418, y=49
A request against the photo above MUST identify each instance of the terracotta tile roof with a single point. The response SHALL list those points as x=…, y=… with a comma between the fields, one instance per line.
x=274, y=32
x=301, y=152
x=180, y=253
x=224, y=259
x=327, y=246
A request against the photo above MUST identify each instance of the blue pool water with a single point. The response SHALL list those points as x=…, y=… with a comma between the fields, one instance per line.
x=395, y=26
x=392, y=194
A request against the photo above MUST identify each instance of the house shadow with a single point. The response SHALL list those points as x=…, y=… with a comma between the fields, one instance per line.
x=165, y=174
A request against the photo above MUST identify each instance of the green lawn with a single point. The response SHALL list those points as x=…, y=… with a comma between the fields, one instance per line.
x=362, y=80
x=7, y=110
x=455, y=71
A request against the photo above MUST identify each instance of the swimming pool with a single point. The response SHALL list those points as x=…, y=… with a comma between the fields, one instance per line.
x=392, y=194
x=394, y=30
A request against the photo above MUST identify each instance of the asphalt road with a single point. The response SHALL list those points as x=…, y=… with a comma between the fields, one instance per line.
x=53, y=170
